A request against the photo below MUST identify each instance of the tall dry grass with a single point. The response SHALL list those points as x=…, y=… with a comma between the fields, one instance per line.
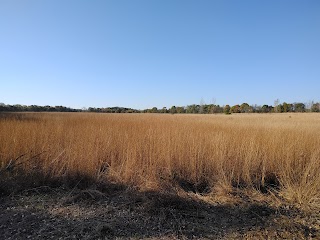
x=200, y=152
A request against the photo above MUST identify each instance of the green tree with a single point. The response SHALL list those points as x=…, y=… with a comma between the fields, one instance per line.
x=299, y=107
x=285, y=107
x=180, y=110
x=173, y=110
x=315, y=107
x=193, y=108
x=164, y=110
x=154, y=110
x=227, y=109
x=245, y=108
x=266, y=109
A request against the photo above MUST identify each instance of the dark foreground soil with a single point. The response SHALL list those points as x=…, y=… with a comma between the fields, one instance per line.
x=45, y=213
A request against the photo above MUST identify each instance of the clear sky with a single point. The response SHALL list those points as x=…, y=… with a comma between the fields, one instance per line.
x=147, y=53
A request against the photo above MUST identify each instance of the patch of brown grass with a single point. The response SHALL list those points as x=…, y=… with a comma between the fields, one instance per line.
x=267, y=152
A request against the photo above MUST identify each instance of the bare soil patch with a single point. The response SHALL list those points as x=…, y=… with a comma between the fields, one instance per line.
x=120, y=213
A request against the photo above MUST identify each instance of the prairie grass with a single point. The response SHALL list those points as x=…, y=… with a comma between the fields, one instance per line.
x=201, y=153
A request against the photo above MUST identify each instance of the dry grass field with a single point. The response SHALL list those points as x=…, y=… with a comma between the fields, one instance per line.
x=270, y=156
x=198, y=152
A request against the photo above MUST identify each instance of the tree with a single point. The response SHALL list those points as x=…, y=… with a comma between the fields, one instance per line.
x=180, y=110
x=215, y=109
x=201, y=110
x=278, y=108
x=315, y=107
x=299, y=107
x=285, y=107
x=245, y=108
x=213, y=106
x=164, y=110
x=266, y=109
x=173, y=110
x=154, y=110
x=235, y=109
x=227, y=109
x=256, y=108
x=192, y=108
x=206, y=108
x=276, y=103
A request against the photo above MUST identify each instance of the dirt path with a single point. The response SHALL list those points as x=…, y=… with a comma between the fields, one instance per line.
x=122, y=214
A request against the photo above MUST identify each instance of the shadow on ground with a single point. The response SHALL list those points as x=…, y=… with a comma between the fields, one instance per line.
x=119, y=213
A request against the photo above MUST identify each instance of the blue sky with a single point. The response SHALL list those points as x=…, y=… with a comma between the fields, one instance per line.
x=147, y=53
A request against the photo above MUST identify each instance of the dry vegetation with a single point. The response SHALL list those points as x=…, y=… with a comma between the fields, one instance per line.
x=120, y=176
x=209, y=154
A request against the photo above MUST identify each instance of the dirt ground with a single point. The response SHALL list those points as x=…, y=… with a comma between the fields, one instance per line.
x=117, y=213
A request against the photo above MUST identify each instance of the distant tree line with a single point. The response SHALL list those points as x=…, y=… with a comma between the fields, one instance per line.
x=112, y=110
x=243, y=108
x=194, y=108
x=35, y=108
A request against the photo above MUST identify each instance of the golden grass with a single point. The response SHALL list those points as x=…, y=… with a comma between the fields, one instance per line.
x=266, y=151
